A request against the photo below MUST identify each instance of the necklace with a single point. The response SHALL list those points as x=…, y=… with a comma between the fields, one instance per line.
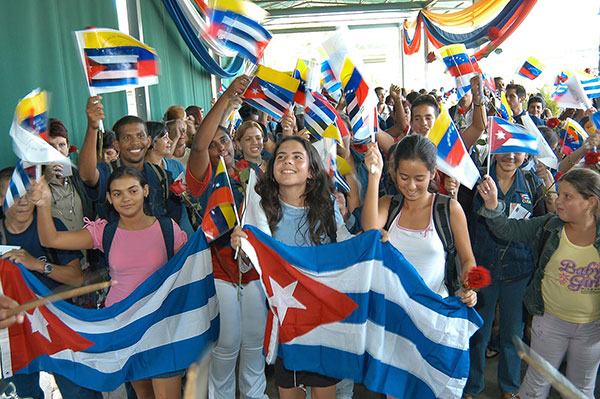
x=69, y=194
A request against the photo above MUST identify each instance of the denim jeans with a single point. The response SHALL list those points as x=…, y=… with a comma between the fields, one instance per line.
x=68, y=389
x=510, y=297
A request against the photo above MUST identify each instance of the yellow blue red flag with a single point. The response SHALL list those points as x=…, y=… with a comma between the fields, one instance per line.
x=531, y=68
x=220, y=214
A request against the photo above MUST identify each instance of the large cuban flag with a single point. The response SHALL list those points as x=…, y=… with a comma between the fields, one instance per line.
x=357, y=309
x=165, y=325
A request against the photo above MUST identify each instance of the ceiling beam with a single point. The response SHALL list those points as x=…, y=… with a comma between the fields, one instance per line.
x=402, y=6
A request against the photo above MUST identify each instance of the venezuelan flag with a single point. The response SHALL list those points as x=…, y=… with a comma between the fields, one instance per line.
x=32, y=113
x=301, y=73
x=271, y=91
x=220, y=214
x=532, y=68
x=456, y=59
x=572, y=135
x=452, y=157
x=505, y=110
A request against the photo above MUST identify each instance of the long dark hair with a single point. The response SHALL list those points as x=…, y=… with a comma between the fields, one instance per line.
x=318, y=195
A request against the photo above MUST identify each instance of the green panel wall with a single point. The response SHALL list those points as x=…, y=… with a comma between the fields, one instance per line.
x=183, y=81
x=38, y=50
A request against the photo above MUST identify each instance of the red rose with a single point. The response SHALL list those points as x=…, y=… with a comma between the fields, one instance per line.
x=558, y=175
x=478, y=277
x=493, y=33
x=592, y=158
x=177, y=187
x=552, y=122
x=461, y=111
x=431, y=57
x=72, y=149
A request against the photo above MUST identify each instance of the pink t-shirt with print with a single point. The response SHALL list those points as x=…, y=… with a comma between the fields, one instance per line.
x=134, y=255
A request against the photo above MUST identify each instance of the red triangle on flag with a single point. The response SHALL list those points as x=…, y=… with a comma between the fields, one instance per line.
x=42, y=332
x=300, y=302
x=254, y=90
x=498, y=135
x=93, y=68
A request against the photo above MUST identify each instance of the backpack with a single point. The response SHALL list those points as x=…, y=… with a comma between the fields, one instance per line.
x=166, y=226
x=441, y=221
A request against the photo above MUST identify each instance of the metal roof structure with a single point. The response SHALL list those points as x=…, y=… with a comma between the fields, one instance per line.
x=315, y=15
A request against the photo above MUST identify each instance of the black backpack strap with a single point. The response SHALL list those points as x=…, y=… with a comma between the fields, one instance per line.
x=443, y=226
x=107, y=237
x=2, y=233
x=161, y=175
x=166, y=226
x=394, y=209
x=112, y=165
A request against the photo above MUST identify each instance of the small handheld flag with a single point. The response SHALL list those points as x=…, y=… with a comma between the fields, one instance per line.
x=572, y=135
x=459, y=66
x=506, y=137
x=319, y=116
x=531, y=68
x=221, y=214
x=19, y=183
x=452, y=158
x=32, y=113
x=271, y=91
x=113, y=61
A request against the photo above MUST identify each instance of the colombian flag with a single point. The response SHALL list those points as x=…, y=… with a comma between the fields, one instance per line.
x=452, y=158
x=32, y=113
x=301, y=73
x=532, y=68
x=220, y=210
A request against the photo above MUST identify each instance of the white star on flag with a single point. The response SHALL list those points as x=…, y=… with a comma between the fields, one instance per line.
x=283, y=299
x=38, y=323
x=500, y=135
x=255, y=91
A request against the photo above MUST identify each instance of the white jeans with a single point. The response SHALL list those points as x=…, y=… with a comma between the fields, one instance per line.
x=242, y=325
x=552, y=338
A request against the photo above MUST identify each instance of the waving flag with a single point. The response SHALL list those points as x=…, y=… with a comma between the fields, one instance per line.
x=19, y=183
x=506, y=137
x=360, y=100
x=114, y=61
x=452, y=157
x=235, y=24
x=222, y=89
x=459, y=66
x=163, y=326
x=572, y=94
x=591, y=87
x=357, y=309
x=505, y=109
x=271, y=91
x=319, y=116
x=532, y=68
x=572, y=135
x=29, y=121
x=331, y=84
x=488, y=81
x=220, y=216
x=301, y=73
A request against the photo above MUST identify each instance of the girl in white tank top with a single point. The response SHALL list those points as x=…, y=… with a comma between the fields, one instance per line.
x=424, y=250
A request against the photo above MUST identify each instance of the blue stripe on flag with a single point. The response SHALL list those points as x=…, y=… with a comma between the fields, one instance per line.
x=113, y=82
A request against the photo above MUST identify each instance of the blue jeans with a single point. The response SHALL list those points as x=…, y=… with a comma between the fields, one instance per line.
x=510, y=298
x=68, y=389
x=27, y=385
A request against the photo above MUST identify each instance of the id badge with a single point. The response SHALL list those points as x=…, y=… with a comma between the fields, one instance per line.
x=518, y=211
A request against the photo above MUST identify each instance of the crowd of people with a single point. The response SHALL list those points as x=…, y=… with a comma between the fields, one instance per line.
x=534, y=228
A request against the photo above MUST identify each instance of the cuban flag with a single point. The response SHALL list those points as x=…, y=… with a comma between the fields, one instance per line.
x=114, y=61
x=19, y=183
x=591, y=87
x=163, y=326
x=357, y=309
x=331, y=84
x=452, y=156
x=319, y=116
x=506, y=137
x=271, y=91
x=232, y=26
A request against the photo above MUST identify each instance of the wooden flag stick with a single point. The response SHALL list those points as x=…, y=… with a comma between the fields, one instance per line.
x=57, y=297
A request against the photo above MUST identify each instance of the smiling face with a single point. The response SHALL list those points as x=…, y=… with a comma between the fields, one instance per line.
x=535, y=109
x=163, y=146
x=571, y=206
x=291, y=167
x=510, y=162
x=251, y=144
x=412, y=178
x=221, y=145
x=133, y=142
x=423, y=117
x=127, y=195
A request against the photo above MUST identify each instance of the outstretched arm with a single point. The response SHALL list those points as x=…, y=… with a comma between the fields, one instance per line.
x=87, y=156
x=375, y=211
x=474, y=131
x=199, y=159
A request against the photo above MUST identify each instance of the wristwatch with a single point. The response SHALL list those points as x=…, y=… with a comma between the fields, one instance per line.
x=47, y=268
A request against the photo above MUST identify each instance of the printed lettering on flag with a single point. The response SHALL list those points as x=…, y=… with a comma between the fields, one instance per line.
x=114, y=61
x=506, y=137
x=220, y=210
x=531, y=68
x=357, y=309
x=163, y=326
x=452, y=157
x=271, y=91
